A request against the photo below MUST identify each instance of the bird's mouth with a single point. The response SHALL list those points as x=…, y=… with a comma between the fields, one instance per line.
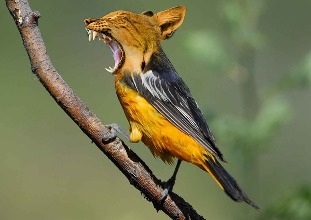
x=115, y=47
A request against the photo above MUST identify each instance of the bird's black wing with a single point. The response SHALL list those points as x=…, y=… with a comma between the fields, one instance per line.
x=163, y=88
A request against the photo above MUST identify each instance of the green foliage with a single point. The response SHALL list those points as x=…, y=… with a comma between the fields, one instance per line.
x=231, y=52
x=270, y=119
x=273, y=111
x=299, y=77
x=296, y=206
x=252, y=135
x=207, y=47
x=241, y=18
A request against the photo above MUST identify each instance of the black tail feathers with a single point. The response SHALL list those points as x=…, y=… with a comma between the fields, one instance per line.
x=228, y=183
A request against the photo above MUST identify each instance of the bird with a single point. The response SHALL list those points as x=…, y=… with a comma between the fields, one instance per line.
x=157, y=103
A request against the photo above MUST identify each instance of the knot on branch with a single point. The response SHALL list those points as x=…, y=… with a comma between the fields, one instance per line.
x=31, y=18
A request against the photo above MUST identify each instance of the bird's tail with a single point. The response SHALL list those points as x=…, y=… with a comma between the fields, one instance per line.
x=227, y=182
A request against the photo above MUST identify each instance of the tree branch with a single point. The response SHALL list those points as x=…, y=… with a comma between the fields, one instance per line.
x=135, y=170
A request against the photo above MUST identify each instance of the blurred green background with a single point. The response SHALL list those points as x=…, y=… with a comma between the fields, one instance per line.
x=247, y=63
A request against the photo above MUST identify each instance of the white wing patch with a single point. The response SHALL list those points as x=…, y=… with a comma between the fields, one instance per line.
x=149, y=81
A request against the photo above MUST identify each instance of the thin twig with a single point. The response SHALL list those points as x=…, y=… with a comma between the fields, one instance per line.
x=136, y=171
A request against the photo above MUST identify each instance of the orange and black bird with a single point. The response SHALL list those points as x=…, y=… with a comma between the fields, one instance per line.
x=157, y=103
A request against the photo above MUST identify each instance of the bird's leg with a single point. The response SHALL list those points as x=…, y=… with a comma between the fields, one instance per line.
x=168, y=185
x=114, y=128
